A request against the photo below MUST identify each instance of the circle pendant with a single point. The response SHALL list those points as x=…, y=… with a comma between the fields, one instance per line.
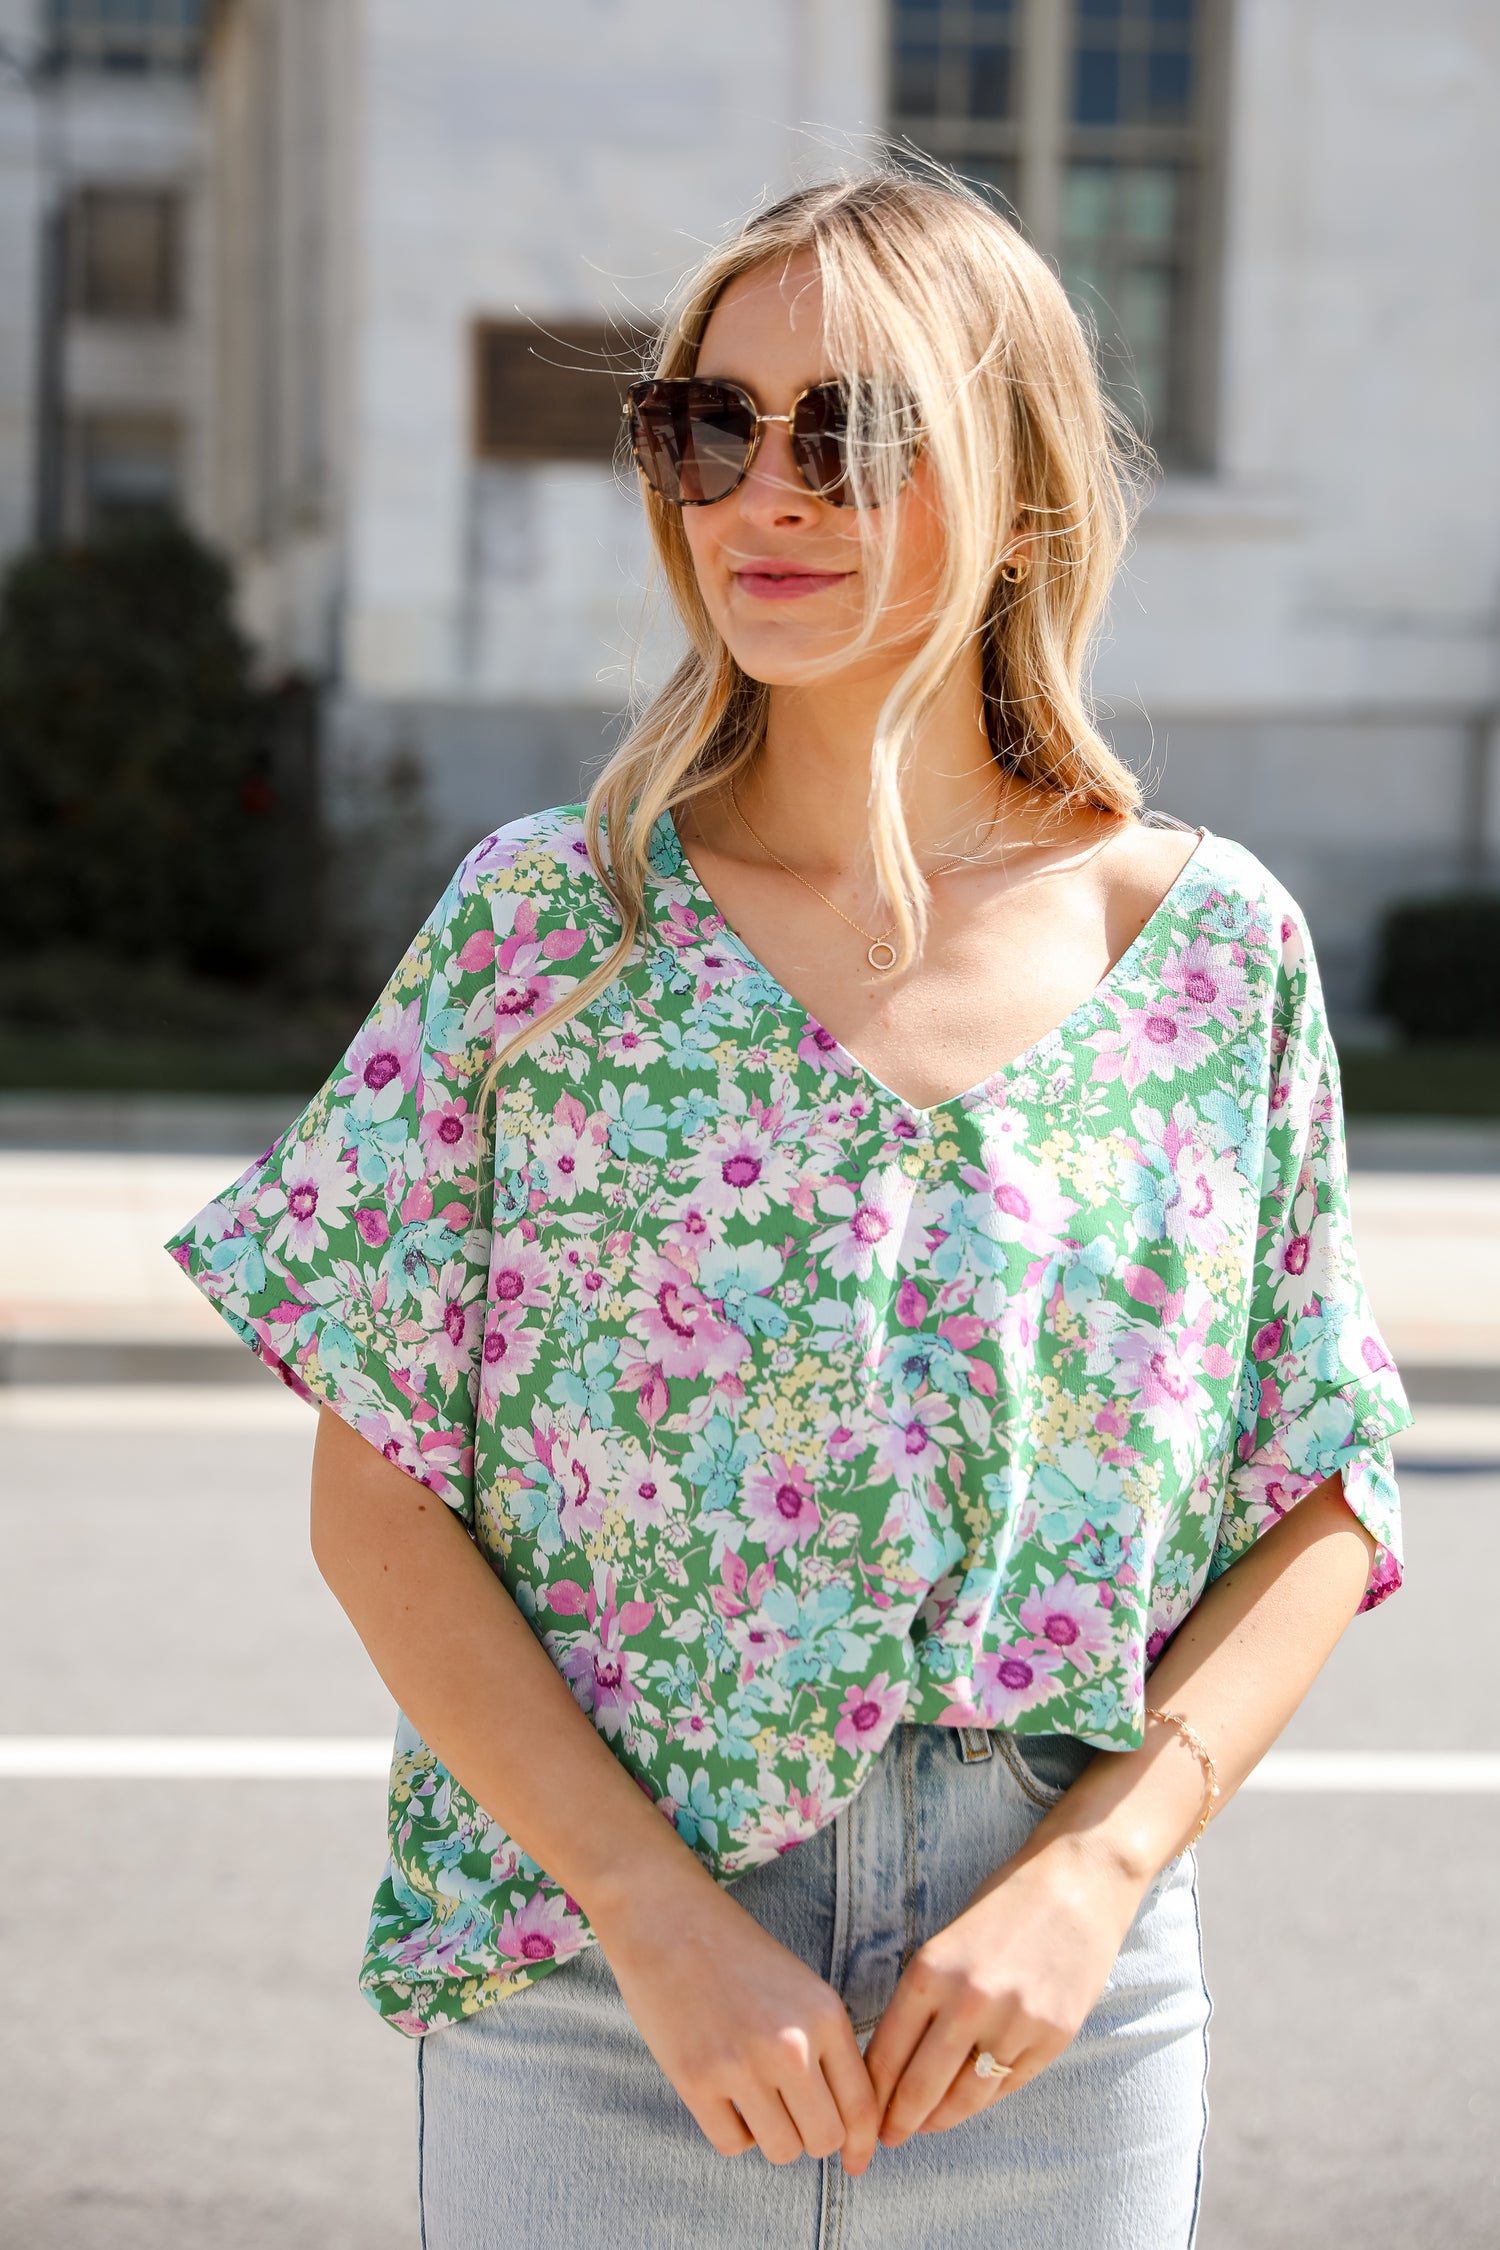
x=882, y=945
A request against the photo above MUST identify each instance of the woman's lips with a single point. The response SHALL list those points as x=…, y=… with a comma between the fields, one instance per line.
x=765, y=584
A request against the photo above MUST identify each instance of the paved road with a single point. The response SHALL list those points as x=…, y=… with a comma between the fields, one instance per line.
x=187, y=2064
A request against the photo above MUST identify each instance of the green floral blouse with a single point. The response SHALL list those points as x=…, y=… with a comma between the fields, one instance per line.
x=786, y=1410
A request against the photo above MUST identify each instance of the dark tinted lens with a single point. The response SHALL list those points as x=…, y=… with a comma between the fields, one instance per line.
x=692, y=438
x=819, y=426
x=886, y=433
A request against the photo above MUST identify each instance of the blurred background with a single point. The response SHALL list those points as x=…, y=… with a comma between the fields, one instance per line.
x=318, y=565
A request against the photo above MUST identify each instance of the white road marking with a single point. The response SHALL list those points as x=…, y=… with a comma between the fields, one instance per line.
x=177, y=1409
x=190, y=1757
x=187, y=1757
x=1384, y=1772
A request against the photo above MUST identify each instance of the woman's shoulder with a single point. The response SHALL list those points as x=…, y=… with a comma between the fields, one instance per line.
x=537, y=866
x=1170, y=862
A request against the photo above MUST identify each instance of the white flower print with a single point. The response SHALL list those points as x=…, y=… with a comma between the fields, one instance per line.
x=318, y=1189
x=869, y=1224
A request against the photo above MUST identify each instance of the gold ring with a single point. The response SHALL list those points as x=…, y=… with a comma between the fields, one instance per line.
x=985, y=2065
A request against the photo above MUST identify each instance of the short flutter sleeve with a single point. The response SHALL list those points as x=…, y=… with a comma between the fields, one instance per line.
x=1319, y=1394
x=353, y=1257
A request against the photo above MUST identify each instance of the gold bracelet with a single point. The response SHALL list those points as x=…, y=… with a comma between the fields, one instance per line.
x=1196, y=1742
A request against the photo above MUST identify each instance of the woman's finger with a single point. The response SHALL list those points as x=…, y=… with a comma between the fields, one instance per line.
x=894, y=2041
x=939, y=2056
x=809, y=2103
x=769, y=2120
x=849, y=2083
x=722, y=2127
x=967, y=2093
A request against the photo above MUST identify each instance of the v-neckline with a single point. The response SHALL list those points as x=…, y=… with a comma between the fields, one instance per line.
x=692, y=882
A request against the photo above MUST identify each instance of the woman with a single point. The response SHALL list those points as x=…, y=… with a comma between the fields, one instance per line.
x=848, y=1230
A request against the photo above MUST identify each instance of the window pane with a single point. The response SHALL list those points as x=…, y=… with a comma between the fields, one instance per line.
x=125, y=253
x=124, y=467
x=1124, y=262
x=1096, y=97
x=955, y=83
x=125, y=35
x=1133, y=61
x=1148, y=204
x=990, y=82
x=916, y=78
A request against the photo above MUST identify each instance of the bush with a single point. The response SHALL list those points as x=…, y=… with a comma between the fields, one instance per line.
x=139, y=813
x=1437, y=974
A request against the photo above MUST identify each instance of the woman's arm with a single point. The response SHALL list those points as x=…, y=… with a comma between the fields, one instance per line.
x=1023, y=1965
x=736, y=2022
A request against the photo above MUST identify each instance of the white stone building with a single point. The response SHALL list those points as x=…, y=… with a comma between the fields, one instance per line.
x=1287, y=208
x=101, y=269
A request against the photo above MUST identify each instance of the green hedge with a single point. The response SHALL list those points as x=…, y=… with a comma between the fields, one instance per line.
x=1437, y=971
x=149, y=807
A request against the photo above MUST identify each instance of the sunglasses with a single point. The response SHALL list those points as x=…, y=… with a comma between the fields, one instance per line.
x=694, y=439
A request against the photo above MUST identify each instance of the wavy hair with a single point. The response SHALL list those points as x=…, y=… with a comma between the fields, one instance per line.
x=936, y=310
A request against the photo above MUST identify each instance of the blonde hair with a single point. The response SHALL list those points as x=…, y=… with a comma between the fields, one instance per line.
x=935, y=310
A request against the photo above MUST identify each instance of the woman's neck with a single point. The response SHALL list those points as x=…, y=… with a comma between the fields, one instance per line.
x=807, y=791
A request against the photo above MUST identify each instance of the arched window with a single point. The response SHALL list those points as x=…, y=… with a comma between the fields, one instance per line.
x=1098, y=124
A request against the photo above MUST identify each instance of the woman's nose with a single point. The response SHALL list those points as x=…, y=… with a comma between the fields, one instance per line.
x=772, y=487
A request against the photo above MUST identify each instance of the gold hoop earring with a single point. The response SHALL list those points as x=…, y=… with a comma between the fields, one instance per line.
x=1014, y=572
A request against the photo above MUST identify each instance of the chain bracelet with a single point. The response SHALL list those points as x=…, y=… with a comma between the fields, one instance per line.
x=1196, y=1743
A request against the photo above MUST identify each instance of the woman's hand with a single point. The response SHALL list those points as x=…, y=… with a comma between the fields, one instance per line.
x=761, y=2050
x=1017, y=1973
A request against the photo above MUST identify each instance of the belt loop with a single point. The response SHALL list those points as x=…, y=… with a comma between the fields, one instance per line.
x=974, y=1745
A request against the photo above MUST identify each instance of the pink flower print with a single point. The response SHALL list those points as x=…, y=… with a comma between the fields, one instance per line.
x=740, y=1171
x=869, y=1224
x=1374, y=1357
x=1068, y=1617
x=1155, y=1041
x=1207, y=982
x=387, y=1052
x=1014, y=1201
x=449, y=1134
x=522, y=990
x=598, y=1668
x=821, y=1051
x=452, y=1317
x=570, y=1151
x=374, y=1227
x=868, y=1715
x=1160, y=1041
x=506, y=1356
x=397, y=1443
x=581, y=1465
x=1008, y=1681
x=678, y=1327
x=914, y=1433
x=318, y=1193
x=541, y=1930
x=649, y=1493
x=689, y=1232
x=781, y=1828
x=1160, y=1371
x=778, y=1499
x=1267, y=1488
x=519, y=1272
x=756, y=1642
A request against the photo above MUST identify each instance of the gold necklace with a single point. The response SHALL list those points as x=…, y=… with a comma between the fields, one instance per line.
x=875, y=945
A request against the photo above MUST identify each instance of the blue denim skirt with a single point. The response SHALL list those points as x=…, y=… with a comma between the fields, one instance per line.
x=544, y=2122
